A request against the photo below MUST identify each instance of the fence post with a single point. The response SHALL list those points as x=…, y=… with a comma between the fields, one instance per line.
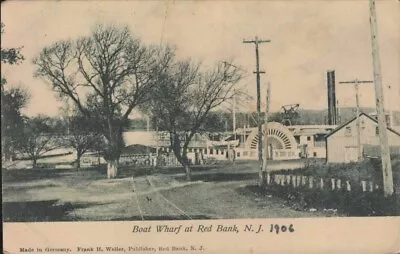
x=348, y=186
x=293, y=181
x=321, y=181
x=268, y=179
x=288, y=179
x=303, y=180
x=364, y=185
x=298, y=180
x=339, y=184
x=276, y=178
x=311, y=182
x=371, y=186
x=333, y=183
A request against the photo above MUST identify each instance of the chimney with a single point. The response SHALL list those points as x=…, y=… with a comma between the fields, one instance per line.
x=332, y=113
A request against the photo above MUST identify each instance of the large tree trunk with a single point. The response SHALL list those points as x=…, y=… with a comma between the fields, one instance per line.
x=79, y=154
x=113, y=153
x=262, y=178
x=112, y=169
x=34, y=162
x=188, y=173
x=78, y=162
x=186, y=164
x=6, y=151
x=181, y=156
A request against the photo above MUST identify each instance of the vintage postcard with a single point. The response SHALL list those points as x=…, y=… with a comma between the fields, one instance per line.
x=200, y=127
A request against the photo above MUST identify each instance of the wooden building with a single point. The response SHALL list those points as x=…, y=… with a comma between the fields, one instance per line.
x=342, y=145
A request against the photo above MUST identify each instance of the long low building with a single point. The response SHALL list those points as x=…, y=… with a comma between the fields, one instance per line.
x=284, y=142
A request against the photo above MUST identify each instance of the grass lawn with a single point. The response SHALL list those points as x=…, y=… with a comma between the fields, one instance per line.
x=354, y=203
x=217, y=191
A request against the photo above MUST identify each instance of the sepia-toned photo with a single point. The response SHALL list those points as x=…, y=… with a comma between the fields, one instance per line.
x=168, y=111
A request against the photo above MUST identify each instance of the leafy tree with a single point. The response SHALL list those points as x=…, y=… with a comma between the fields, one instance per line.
x=215, y=122
x=184, y=99
x=37, y=138
x=12, y=101
x=10, y=55
x=106, y=75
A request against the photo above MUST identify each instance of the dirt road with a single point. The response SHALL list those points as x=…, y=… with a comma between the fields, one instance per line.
x=216, y=193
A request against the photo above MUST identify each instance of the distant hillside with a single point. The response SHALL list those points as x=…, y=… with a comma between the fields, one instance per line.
x=222, y=121
x=345, y=114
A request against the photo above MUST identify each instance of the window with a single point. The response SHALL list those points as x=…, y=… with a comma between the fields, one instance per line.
x=205, y=151
x=217, y=151
x=308, y=138
x=362, y=124
x=348, y=131
x=238, y=154
x=377, y=130
x=315, y=154
x=211, y=151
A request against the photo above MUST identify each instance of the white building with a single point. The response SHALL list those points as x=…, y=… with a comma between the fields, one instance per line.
x=342, y=142
x=284, y=142
x=287, y=142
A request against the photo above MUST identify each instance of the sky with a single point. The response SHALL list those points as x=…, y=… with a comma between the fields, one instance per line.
x=307, y=39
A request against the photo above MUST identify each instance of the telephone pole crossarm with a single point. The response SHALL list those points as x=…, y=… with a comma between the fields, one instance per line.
x=256, y=41
x=356, y=81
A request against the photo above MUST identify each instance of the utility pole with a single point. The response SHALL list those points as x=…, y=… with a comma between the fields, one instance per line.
x=391, y=123
x=68, y=116
x=382, y=125
x=234, y=124
x=157, y=140
x=256, y=42
x=338, y=119
x=268, y=99
x=244, y=131
x=148, y=131
x=356, y=83
x=234, y=115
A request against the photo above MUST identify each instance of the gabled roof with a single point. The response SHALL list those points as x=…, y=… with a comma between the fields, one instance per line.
x=354, y=118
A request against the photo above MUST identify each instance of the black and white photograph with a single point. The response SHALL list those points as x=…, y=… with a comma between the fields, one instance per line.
x=199, y=110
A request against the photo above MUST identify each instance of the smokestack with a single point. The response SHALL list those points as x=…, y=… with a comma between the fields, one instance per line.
x=332, y=113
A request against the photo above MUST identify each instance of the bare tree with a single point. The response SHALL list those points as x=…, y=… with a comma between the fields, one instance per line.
x=37, y=138
x=106, y=75
x=184, y=99
x=82, y=136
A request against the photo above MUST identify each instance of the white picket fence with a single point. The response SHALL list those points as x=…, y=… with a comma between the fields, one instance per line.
x=313, y=182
